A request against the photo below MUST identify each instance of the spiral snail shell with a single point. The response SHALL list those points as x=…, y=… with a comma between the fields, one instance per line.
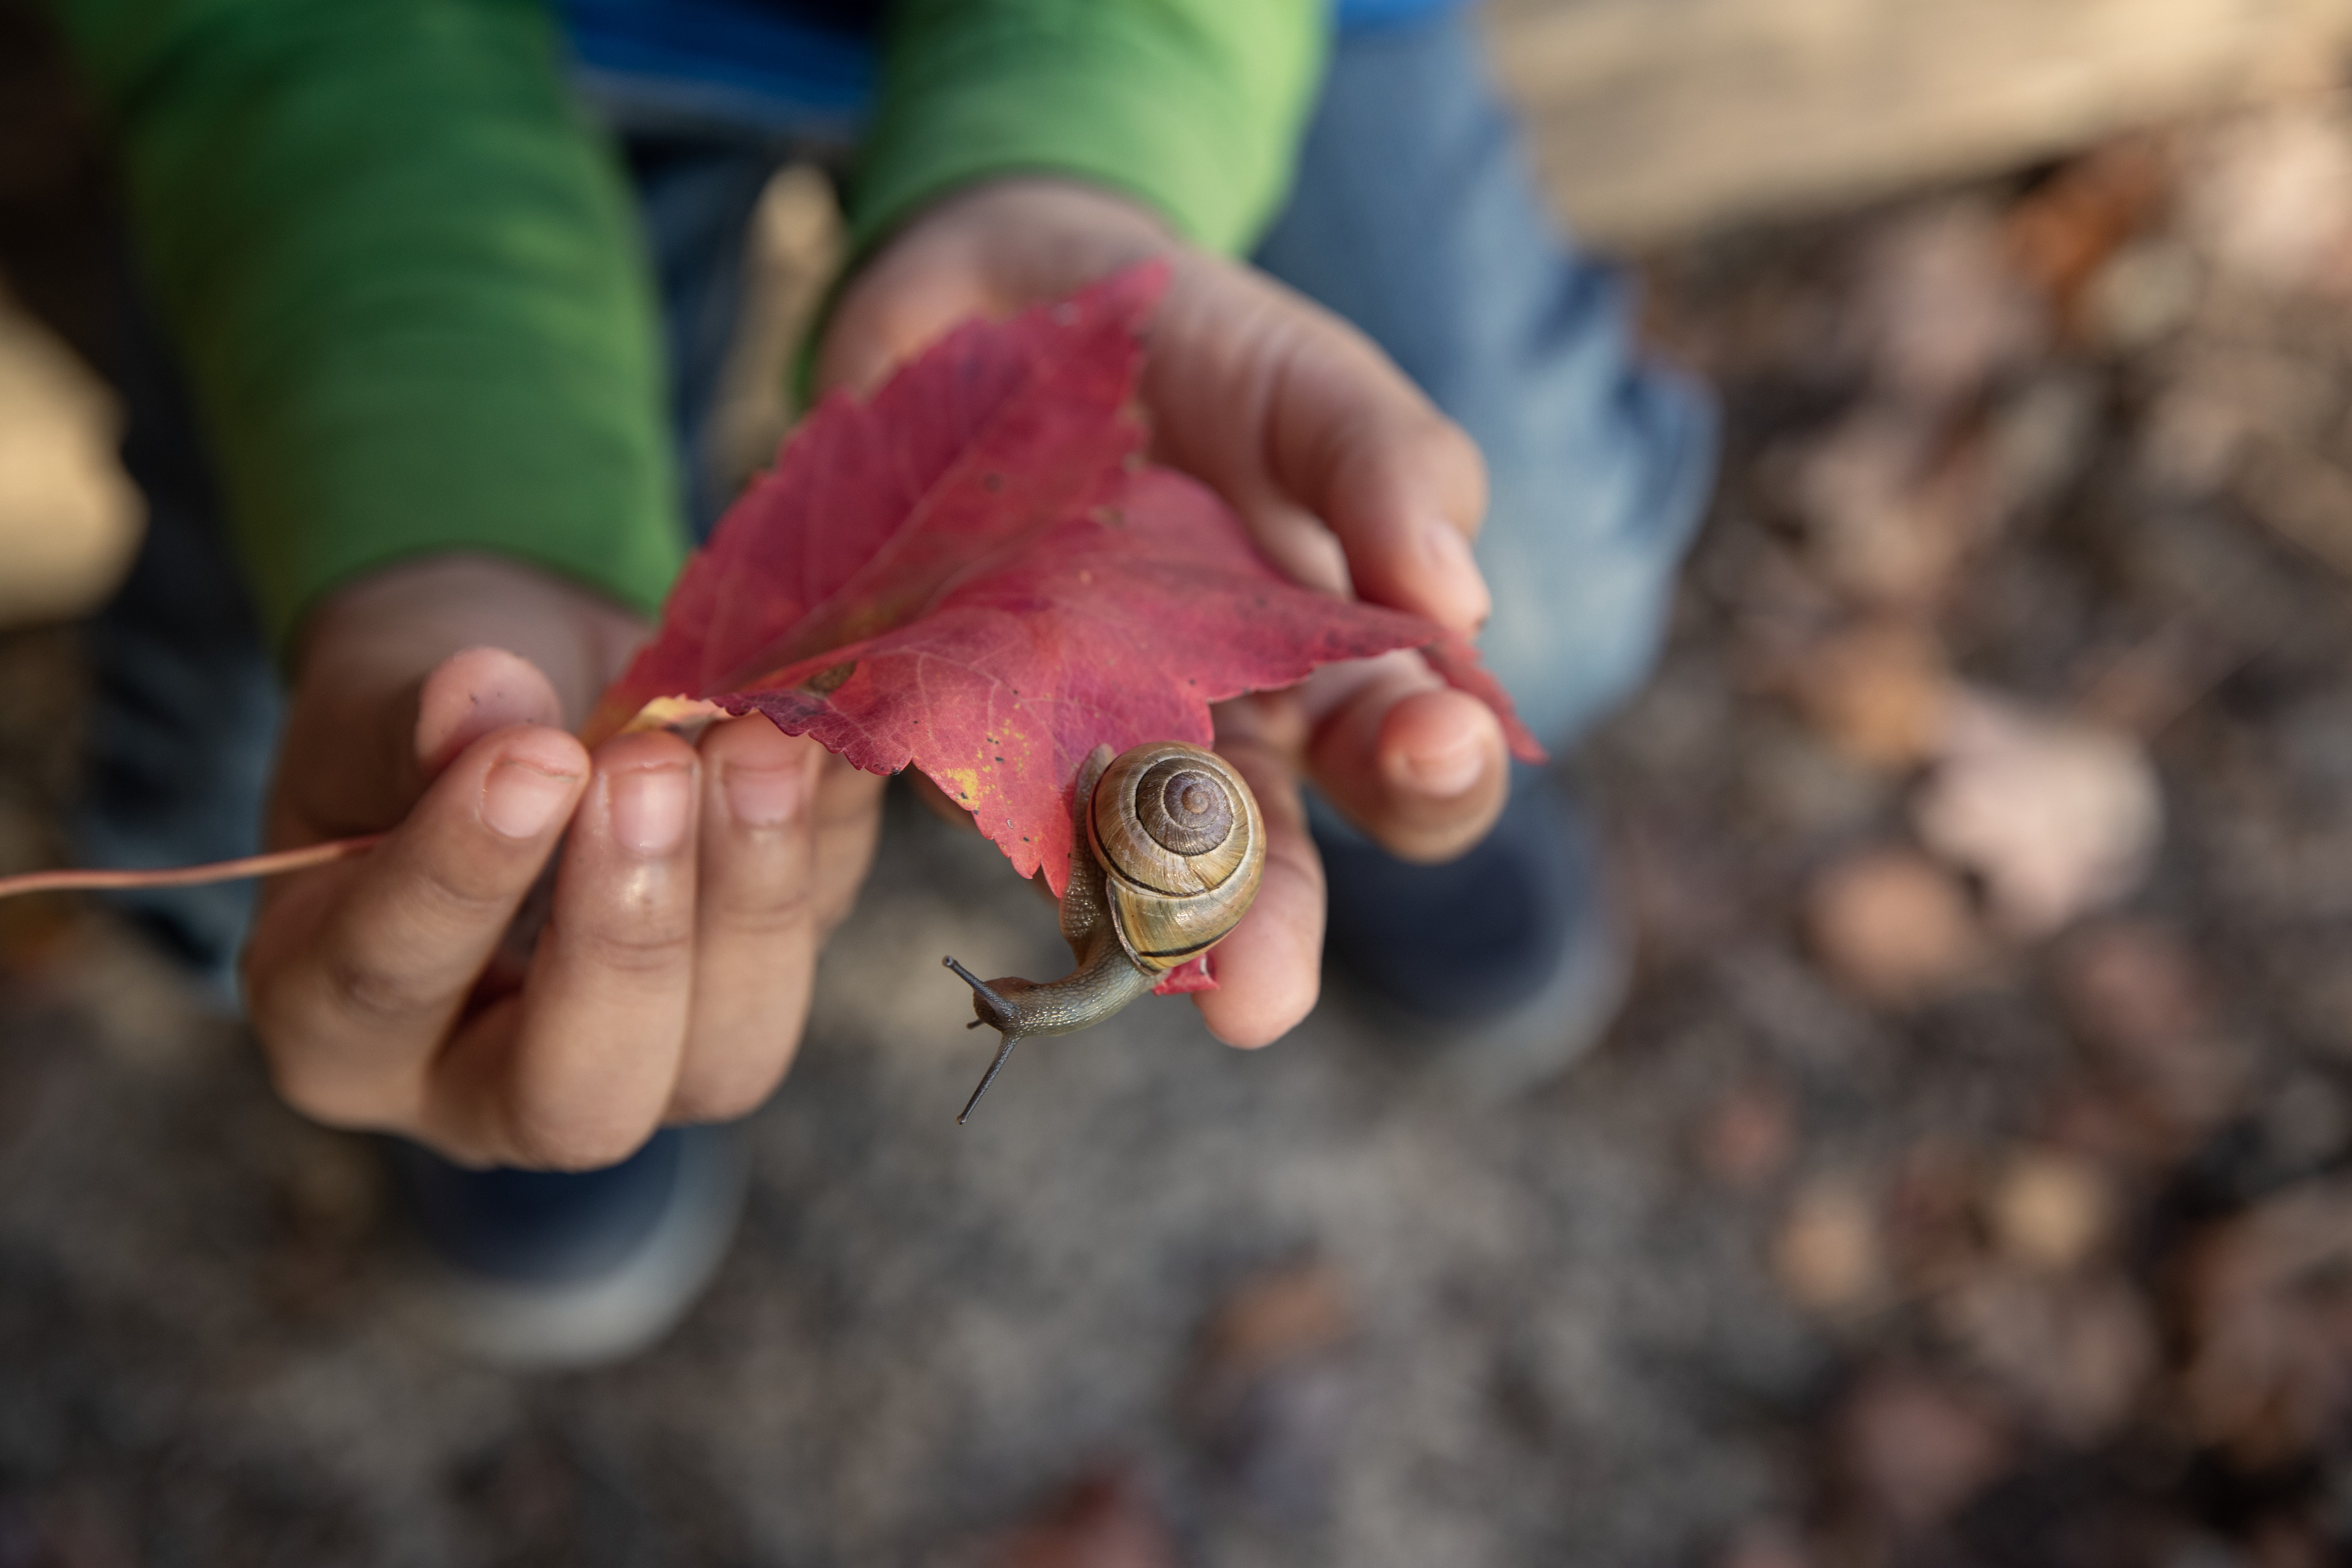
x=1180, y=844
x=1170, y=849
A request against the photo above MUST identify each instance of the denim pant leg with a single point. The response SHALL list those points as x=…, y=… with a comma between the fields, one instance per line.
x=1415, y=216
x=696, y=201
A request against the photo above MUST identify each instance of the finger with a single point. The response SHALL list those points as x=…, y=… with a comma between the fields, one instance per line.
x=472, y=693
x=873, y=332
x=978, y=252
x=1274, y=400
x=358, y=753
x=400, y=619
x=848, y=825
x=602, y=1021
x=756, y=926
x=1422, y=769
x=353, y=978
x=911, y=294
x=1269, y=970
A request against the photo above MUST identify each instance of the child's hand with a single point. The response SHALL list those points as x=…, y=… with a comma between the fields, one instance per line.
x=1343, y=470
x=697, y=883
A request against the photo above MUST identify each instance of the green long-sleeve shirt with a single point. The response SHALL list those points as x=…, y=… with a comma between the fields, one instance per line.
x=408, y=290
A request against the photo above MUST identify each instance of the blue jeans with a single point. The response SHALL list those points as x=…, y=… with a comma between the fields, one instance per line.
x=1414, y=215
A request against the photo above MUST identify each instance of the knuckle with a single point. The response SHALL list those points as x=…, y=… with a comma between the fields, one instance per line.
x=740, y=1048
x=372, y=996
x=541, y=1142
x=301, y=1088
x=649, y=946
x=332, y=1098
x=771, y=914
x=1432, y=444
x=728, y=1101
x=1429, y=843
x=469, y=890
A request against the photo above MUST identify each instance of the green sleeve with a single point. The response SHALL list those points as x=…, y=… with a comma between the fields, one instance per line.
x=405, y=280
x=1194, y=106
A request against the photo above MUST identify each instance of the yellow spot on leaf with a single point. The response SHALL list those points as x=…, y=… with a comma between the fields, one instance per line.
x=958, y=782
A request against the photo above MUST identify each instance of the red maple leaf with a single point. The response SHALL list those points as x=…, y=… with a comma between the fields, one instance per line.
x=975, y=572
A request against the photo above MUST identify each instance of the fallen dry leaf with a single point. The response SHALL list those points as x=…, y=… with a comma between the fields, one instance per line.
x=2076, y=1353
x=1876, y=692
x=1272, y=1388
x=1913, y=1447
x=2145, y=293
x=1933, y=1228
x=2277, y=1542
x=1826, y=1255
x=2063, y=232
x=1106, y=1520
x=1682, y=899
x=2137, y=995
x=2299, y=495
x=2036, y=441
x=1766, y=1544
x=2129, y=984
x=1893, y=926
x=2057, y=817
x=2266, y=1298
x=2142, y=686
x=2050, y=1210
x=2269, y=197
x=1747, y=1139
x=1891, y=504
x=1942, y=306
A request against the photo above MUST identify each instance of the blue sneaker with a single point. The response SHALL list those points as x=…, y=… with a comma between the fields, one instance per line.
x=544, y=1269
x=1504, y=965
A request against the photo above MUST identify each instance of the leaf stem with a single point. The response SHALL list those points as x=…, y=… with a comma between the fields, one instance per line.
x=273, y=865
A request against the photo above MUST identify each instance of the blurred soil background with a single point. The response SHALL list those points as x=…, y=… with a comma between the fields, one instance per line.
x=1966, y=1184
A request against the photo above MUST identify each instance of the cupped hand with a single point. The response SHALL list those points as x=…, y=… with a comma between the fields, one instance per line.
x=671, y=977
x=1346, y=474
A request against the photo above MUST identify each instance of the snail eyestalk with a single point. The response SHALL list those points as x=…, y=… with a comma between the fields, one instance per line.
x=989, y=1077
x=994, y=1009
x=982, y=997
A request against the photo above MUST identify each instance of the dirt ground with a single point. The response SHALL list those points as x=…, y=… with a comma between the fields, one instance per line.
x=1964, y=1185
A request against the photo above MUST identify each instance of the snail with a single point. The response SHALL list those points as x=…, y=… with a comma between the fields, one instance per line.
x=1169, y=848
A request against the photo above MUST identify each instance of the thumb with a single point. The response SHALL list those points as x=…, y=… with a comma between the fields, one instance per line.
x=884, y=321
x=354, y=760
x=472, y=693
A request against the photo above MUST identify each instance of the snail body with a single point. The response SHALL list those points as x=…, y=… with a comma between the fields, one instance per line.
x=1170, y=849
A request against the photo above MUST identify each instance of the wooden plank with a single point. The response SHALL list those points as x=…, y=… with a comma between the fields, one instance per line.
x=1657, y=117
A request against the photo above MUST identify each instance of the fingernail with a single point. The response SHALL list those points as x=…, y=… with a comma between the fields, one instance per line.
x=650, y=808
x=1455, y=575
x=1445, y=772
x=520, y=802
x=762, y=797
